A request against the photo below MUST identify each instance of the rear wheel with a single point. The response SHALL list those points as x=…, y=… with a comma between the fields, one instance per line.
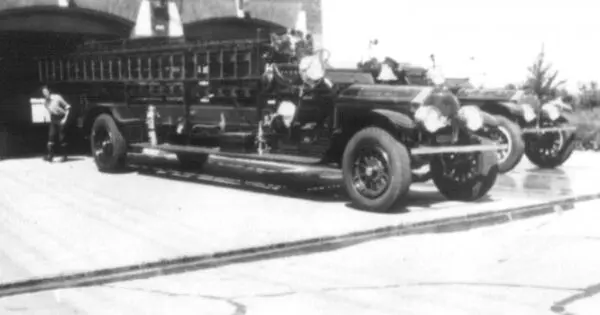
x=376, y=170
x=465, y=176
x=109, y=148
x=508, y=133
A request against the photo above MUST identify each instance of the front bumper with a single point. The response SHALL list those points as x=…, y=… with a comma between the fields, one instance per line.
x=543, y=130
x=432, y=150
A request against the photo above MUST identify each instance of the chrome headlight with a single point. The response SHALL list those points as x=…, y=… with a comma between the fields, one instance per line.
x=471, y=115
x=287, y=110
x=431, y=118
x=528, y=112
x=551, y=110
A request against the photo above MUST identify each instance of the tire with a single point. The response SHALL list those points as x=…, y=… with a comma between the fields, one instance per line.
x=532, y=151
x=393, y=160
x=113, y=146
x=192, y=162
x=484, y=175
x=513, y=135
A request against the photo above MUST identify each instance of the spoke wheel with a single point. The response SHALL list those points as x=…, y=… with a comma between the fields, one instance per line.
x=508, y=133
x=108, y=146
x=465, y=177
x=376, y=170
x=371, y=172
x=550, y=150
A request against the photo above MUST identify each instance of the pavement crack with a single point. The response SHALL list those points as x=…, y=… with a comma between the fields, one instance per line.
x=560, y=307
x=239, y=308
x=396, y=286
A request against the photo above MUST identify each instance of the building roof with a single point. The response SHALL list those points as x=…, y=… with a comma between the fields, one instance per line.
x=191, y=10
x=282, y=13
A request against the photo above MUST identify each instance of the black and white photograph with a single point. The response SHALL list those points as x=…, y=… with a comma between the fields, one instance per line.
x=310, y=157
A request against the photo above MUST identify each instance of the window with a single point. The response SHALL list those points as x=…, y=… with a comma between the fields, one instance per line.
x=165, y=66
x=70, y=66
x=202, y=66
x=155, y=72
x=229, y=64
x=215, y=65
x=79, y=69
x=89, y=73
x=145, y=67
x=177, y=67
x=134, y=68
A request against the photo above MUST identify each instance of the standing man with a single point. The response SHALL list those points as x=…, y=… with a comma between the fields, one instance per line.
x=59, y=113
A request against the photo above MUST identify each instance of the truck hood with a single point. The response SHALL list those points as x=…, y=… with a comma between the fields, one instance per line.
x=499, y=95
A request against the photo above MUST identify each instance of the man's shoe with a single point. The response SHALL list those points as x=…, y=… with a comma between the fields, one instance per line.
x=48, y=158
x=64, y=158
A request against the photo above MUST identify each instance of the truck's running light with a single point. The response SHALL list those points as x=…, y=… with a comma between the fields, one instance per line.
x=471, y=116
x=528, y=113
x=551, y=110
x=431, y=118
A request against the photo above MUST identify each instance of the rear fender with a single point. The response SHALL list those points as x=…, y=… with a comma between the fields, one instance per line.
x=122, y=115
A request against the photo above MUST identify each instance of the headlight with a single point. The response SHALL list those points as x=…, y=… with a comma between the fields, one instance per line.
x=552, y=111
x=471, y=116
x=287, y=110
x=431, y=118
x=528, y=112
x=311, y=69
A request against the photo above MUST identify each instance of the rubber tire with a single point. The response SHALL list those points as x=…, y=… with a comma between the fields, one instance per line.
x=517, y=149
x=471, y=191
x=400, y=173
x=192, y=162
x=118, y=160
x=551, y=163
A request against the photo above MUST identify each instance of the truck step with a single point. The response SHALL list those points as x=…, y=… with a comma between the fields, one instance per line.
x=275, y=160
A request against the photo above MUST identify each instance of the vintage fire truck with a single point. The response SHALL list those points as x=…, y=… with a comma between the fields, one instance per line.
x=547, y=128
x=520, y=123
x=273, y=98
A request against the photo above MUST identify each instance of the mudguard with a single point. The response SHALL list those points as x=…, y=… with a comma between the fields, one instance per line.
x=399, y=120
x=122, y=114
x=489, y=119
x=505, y=108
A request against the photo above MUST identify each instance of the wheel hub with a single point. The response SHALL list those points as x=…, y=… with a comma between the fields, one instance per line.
x=460, y=168
x=371, y=173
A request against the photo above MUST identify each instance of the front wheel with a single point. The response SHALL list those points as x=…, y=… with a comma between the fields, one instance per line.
x=465, y=176
x=508, y=133
x=376, y=170
x=549, y=150
x=109, y=148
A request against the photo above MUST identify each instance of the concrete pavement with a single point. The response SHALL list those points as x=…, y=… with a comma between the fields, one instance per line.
x=545, y=265
x=67, y=218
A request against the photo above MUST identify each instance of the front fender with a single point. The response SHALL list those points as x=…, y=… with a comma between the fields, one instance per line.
x=399, y=120
x=489, y=119
x=503, y=108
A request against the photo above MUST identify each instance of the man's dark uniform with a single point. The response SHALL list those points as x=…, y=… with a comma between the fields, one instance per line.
x=58, y=109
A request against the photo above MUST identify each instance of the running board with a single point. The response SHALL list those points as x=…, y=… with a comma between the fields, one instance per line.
x=547, y=130
x=292, y=164
x=427, y=150
x=423, y=150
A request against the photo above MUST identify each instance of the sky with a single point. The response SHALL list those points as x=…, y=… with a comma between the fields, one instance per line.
x=493, y=42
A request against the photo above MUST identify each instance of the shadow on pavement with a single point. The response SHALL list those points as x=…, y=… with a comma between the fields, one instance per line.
x=250, y=178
